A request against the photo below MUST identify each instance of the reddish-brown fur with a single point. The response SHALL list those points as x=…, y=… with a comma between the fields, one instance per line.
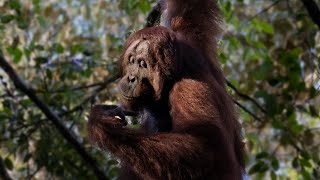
x=189, y=129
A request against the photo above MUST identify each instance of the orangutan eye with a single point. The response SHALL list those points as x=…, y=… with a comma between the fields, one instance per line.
x=143, y=64
x=131, y=60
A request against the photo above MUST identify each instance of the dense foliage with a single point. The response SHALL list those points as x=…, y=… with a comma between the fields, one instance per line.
x=66, y=52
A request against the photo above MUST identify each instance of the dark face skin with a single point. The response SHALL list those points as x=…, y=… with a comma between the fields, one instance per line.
x=137, y=83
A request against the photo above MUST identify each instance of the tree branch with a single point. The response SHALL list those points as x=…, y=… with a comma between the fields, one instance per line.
x=313, y=10
x=3, y=171
x=57, y=122
x=101, y=87
x=65, y=88
x=247, y=111
x=246, y=97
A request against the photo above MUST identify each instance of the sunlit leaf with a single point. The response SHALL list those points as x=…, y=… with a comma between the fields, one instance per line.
x=263, y=26
x=37, y=6
x=16, y=52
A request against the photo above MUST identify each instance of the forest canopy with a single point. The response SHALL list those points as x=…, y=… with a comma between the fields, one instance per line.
x=59, y=57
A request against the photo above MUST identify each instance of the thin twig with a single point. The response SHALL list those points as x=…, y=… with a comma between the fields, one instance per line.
x=64, y=89
x=246, y=97
x=247, y=110
x=263, y=11
x=94, y=94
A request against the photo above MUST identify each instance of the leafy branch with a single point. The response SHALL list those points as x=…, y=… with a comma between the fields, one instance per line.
x=244, y=96
x=101, y=87
x=53, y=117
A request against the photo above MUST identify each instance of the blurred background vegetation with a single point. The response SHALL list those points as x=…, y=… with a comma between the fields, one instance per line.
x=64, y=53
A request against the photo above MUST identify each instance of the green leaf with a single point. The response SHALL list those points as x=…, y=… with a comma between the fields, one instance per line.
x=294, y=80
x=8, y=163
x=36, y=5
x=271, y=105
x=22, y=23
x=263, y=71
x=305, y=163
x=26, y=102
x=7, y=111
x=296, y=128
x=262, y=26
x=27, y=53
x=251, y=137
x=300, y=16
x=273, y=175
x=290, y=59
x=277, y=124
x=305, y=154
x=222, y=57
x=228, y=6
x=144, y=6
x=42, y=21
x=306, y=175
x=16, y=53
x=49, y=74
x=313, y=92
x=76, y=48
x=259, y=167
x=87, y=72
x=7, y=18
x=262, y=155
x=275, y=163
x=58, y=48
x=15, y=4
x=267, y=28
x=40, y=60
